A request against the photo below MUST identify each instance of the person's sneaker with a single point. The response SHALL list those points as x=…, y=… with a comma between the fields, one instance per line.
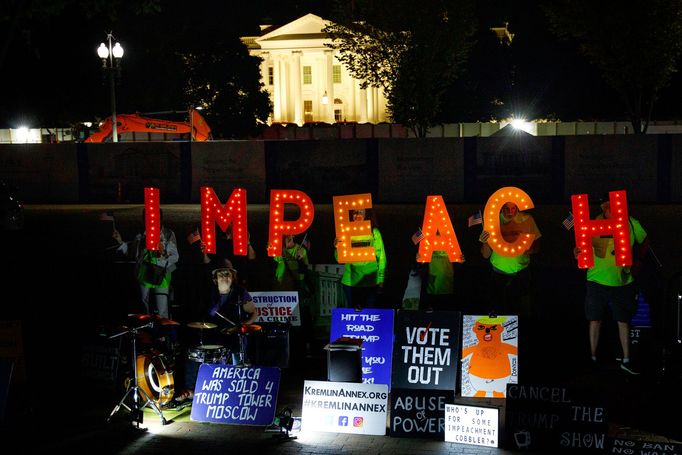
x=628, y=368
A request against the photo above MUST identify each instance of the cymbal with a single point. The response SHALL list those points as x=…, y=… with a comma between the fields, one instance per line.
x=155, y=318
x=243, y=328
x=202, y=325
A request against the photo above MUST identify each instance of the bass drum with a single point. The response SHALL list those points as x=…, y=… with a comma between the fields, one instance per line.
x=155, y=378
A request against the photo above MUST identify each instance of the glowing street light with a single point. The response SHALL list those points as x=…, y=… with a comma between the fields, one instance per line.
x=111, y=58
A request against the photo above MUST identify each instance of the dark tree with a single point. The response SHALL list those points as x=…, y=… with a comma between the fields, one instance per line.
x=636, y=46
x=227, y=84
x=411, y=50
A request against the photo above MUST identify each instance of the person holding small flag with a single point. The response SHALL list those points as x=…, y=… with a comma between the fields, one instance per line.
x=153, y=296
x=363, y=281
x=292, y=274
x=610, y=289
x=510, y=280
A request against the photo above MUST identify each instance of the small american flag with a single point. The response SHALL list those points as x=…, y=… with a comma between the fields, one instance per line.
x=106, y=216
x=305, y=243
x=475, y=219
x=568, y=222
x=193, y=237
x=417, y=236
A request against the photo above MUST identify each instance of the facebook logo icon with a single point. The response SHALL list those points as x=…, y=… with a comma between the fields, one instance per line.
x=343, y=421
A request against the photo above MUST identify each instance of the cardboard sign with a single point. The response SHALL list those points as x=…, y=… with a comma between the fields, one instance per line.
x=489, y=355
x=345, y=407
x=552, y=417
x=471, y=425
x=627, y=446
x=375, y=329
x=277, y=307
x=229, y=394
x=426, y=349
x=418, y=413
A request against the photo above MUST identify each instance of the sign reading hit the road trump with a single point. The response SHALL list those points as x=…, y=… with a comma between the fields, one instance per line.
x=344, y=407
x=229, y=394
x=425, y=350
x=471, y=425
x=375, y=329
x=277, y=307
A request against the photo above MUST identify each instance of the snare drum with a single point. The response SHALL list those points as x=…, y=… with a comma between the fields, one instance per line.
x=155, y=378
x=208, y=353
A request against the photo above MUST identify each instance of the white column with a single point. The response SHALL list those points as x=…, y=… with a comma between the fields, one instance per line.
x=349, y=88
x=362, y=105
x=329, y=86
x=296, y=87
x=371, y=112
x=277, y=89
x=285, y=91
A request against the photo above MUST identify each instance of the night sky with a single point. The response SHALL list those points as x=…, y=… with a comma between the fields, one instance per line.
x=51, y=75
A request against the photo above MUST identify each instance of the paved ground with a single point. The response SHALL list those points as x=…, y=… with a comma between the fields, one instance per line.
x=74, y=419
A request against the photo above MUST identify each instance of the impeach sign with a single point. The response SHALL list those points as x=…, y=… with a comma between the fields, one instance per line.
x=229, y=394
x=277, y=307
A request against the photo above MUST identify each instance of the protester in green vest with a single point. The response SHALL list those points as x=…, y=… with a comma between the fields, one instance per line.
x=363, y=281
x=292, y=274
x=610, y=288
x=510, y=282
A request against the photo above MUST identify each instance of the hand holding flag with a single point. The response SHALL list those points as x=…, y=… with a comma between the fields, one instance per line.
x=568, y=222
x=305, y=243
x=417, y=236
x=476, y=218
x=193, y=237
x=106, y=216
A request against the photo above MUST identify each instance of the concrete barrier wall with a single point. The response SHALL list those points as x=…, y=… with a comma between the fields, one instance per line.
x=226, y=165
x=41, y=172
x=463, y=170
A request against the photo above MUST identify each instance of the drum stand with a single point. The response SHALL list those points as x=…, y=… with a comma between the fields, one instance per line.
x=242, y=351
x=137, y=393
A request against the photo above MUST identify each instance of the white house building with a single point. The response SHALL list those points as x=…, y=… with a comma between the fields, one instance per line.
x=305, y=80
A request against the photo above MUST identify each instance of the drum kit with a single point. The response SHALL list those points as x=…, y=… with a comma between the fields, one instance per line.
x=152, y=382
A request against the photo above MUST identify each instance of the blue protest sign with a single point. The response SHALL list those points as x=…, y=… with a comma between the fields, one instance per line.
x=375, y=328
x=229, y=394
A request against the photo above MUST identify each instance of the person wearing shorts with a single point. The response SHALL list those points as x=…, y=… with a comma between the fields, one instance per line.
x=611, y=290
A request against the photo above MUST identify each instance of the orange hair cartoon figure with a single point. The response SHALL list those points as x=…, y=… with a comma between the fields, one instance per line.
x=491, y=360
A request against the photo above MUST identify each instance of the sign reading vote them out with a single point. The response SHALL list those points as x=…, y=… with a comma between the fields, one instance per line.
x=425, y=354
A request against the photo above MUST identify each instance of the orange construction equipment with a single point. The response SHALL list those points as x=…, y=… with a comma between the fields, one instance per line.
x=127, y=123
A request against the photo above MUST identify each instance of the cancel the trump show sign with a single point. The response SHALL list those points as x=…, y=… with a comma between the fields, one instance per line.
x=425, y=350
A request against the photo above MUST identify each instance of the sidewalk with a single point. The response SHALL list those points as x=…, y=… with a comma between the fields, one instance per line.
x=75, y=420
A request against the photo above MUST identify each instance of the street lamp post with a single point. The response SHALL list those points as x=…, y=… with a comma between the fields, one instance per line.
x=111, y=58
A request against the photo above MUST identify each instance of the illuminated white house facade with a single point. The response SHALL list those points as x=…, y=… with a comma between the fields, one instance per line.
x=305, y=80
